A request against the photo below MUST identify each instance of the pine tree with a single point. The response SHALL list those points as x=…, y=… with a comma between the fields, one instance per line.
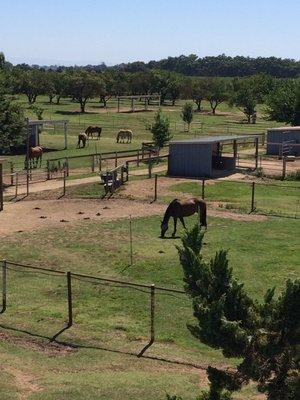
x=265, y=336
x=161, y=130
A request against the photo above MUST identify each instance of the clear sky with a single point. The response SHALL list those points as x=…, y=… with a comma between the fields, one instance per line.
x=114, y=31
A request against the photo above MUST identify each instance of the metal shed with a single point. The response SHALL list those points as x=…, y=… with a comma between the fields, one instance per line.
x=202, y=157
x=283, y=141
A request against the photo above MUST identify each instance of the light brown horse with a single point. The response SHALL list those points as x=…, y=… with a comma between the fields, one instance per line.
x=185, y=208
x=35, y=155
x=90, y=130
x=124, y=134
x=82, y=138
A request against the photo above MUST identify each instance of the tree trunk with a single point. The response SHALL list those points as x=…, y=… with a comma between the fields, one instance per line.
x=58, y=99
x=198, y=105
x=82, y=107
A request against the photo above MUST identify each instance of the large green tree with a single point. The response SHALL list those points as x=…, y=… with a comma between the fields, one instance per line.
x=283, y=103
x=264, y=336
x=216, y=92
x=244, y=96
x=83, y=86
x=31, y=82
x=12, y=124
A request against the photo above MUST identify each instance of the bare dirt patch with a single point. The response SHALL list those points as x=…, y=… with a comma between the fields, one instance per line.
x=50, y=349
x=25, y=383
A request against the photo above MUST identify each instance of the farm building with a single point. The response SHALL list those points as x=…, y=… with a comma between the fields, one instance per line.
x=203, y=157
x=283, y=141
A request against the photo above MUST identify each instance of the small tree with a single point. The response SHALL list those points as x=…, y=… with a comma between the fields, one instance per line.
x=264, y=335
x=187, y=114
x=161, y=130
x=244, y=96
x=12, y=125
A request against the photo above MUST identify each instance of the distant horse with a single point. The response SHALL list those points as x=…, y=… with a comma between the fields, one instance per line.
x=35, y=155
x=124, y=134
x=185, y=208
x=82, y=138
x=90, y=130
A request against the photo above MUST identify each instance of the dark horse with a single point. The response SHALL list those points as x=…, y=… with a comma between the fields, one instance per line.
x=90, y=130
x=185, y=208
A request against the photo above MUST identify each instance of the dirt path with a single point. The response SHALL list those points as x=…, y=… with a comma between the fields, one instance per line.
x=24, y=382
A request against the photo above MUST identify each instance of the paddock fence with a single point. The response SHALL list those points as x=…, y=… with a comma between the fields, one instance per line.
x=93, y=311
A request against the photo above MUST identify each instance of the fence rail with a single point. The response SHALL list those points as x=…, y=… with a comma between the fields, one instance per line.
x=70, y=278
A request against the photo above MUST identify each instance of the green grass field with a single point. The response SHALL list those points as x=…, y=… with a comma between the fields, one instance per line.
x=108, y=319
x=227, y=121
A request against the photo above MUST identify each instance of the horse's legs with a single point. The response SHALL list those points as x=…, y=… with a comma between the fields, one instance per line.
x=175, y=226
x=182, y=221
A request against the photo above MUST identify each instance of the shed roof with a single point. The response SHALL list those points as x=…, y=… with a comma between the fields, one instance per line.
x=214, y=139
x=285, y=129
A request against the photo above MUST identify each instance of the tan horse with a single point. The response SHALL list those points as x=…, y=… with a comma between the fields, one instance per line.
x=185, y=208
x=82, y=138
x=90, y=130
x=124, y=134
x=35, y=155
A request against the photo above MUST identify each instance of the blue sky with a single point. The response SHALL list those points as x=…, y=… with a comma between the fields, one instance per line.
x=114, y=31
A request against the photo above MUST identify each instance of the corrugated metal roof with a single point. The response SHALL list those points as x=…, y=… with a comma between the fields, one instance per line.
x=284, y=129
x=214, y=139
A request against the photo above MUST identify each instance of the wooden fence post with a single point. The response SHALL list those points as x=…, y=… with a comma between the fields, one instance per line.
x=67, y=165
x=100, y=162
x=16, y=183
x=70, y=302
x=203, y=189
x=155, y=187
x=11, y=173
x=138, y=159
x=116, y=159
x=130, y=239
x=93, y=163
x=27, y=182
x=252, y=196
x=127, y=171
x=64, y=182
x=283, y=167
x=149, y=168
x=152, y=321
x=1, y=187
x=48, y=170
x=4, y=286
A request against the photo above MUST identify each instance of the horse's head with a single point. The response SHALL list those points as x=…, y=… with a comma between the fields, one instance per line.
x=164, y=228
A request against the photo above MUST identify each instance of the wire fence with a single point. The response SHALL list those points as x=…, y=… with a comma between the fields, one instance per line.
x=92, y=310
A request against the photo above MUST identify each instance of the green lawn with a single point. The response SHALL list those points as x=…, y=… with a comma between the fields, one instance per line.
x=278, y=198
x=262, y=253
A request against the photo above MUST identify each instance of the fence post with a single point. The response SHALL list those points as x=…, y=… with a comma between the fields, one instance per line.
x=138, y=159
x=67, y=165
x=1, y=187
x=64, y=182
x=4, y=286
x=93, y=163
x=252, y=197
x=203, y=189
x=17, y=183
x=149, y=168
x=130, y=239
x=11, y=173
x=127, y=171
x=155, y=187
x=116, y=159
x=100, y=162
x=70, y=302
x=48, y=170
x=283, y=167
x=256, y=153
x=152, y=321
x=27, y=182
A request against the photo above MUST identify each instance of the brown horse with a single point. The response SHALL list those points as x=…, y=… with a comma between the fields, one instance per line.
x=90, y=130
x=82, y=138
x=185, y=208
x=35, y=155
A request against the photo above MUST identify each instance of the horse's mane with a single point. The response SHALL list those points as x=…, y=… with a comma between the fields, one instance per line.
x=169, y=207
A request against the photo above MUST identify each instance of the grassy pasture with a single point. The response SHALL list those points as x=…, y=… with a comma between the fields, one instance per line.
x=227, y=121
x=262, y=253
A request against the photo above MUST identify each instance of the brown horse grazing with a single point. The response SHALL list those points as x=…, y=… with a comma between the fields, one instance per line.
x=82, y=138
x=185, y=208
x=35, y=155
x=90, y=130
